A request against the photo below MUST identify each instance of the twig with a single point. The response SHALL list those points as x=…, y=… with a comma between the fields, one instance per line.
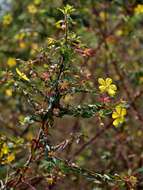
x=90, y=141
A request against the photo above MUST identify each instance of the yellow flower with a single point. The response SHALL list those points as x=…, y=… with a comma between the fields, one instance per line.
x=103, y=15
x=37, y=2
x=11, y=62
x=22, y=75
x=107, y=86
x=8, y=92
x=7, y=19
x=138, y=9
x=22, y=45
x=50, y=180
x=32, y=9
x=119, y=32
x=20, y=36
x=119, y=115
x=4, y=149
x=10, y=158
x=133, y=180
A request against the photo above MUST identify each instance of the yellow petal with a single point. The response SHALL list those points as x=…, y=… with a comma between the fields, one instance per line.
x=102, y=88
x=111, y=92
x=22, y=75
x=108, y=81
x=115, y=115
x=8, y=92
x=5, y=149
x=10, y=158
x=122, y=119
x=101, y=81
x=11, y=62
x=123, y=112
x=116, y=122
x=113, y=87
x=118, y=109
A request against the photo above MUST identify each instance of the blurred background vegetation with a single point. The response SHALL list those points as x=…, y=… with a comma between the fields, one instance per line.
x=110, y=36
